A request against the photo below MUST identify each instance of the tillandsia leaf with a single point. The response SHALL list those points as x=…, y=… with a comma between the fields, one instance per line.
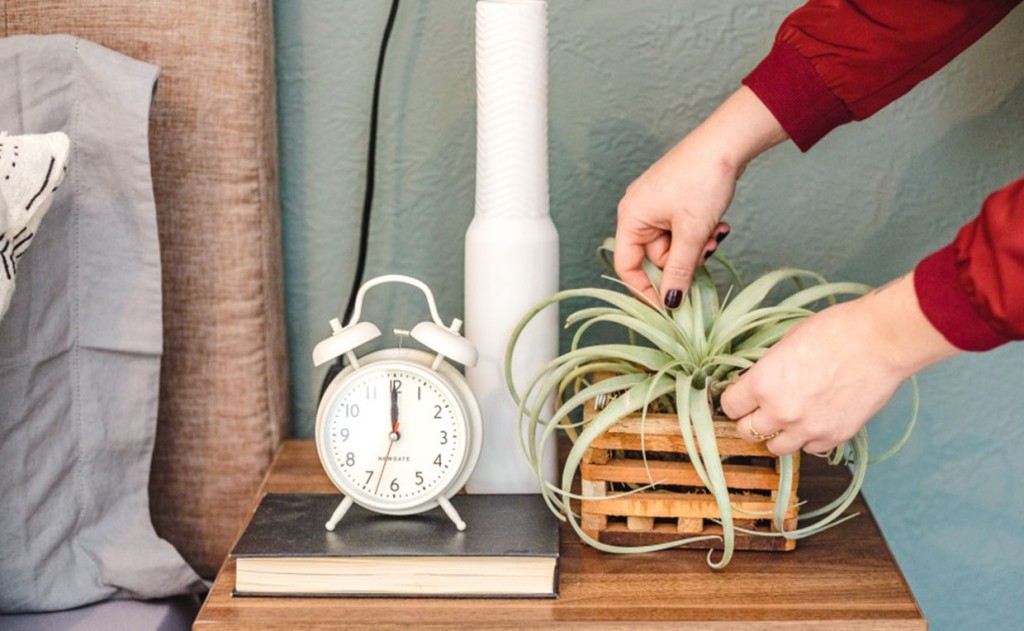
x=530, y=445
x=824, y=291
x=784, y=492
x=833, y=511
x=709, y=298
x=652, y=315
x=635, y=398
x=726, y=363
x=590, y=312
x=612, y=384
x=586, y=315
x=915, y=409
x=605, y=386
x=859, y=446
x=768, y=334
x=733, y=327
x=653, y=275
x=632, y=400
x=627, y=304
x=605, y=253
x=594, y=312
x=737, y=281
x=751, y=296
x=752, y=354
x=684, y=390
x=704, y=428
x=649, y=358
x=697, y=332
x=531, y=405
x=576, y=376
x=726, y=367
x=658, y=376
x=682, y=318
x=539, y=393
x=663, y=341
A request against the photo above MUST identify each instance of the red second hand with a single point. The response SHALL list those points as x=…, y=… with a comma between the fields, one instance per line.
x=394, y=430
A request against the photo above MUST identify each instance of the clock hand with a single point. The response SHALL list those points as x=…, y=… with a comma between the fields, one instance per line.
x=394, y=408
x=394, y=435
x=384, y=466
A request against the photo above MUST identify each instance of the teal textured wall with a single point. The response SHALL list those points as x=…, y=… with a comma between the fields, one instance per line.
x=627, y=79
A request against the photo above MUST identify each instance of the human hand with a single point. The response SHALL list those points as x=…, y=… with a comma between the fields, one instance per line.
x=833, y=371
x=671, y=213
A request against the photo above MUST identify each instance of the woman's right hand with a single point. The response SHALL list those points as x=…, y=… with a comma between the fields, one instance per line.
x=671, y=213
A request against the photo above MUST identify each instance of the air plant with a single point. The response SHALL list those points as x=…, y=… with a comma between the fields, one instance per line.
x=681, y=360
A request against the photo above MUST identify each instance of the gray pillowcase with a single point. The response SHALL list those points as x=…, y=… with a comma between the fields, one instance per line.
x=80, y=347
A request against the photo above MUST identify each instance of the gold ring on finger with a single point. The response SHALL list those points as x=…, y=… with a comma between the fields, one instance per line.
x=758, y=435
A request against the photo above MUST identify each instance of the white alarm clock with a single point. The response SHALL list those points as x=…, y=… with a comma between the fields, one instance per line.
x=398, y=430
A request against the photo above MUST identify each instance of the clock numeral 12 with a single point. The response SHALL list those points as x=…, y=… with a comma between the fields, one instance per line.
x=395, y=385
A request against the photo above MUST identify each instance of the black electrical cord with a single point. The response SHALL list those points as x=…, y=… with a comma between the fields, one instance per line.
x=371, y=163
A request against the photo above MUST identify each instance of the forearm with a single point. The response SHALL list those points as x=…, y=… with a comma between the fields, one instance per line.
x=908, y=342
x=741, y=129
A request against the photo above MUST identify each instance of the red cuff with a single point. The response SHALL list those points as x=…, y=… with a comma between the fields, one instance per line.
x=947, y=306
x=792, y=90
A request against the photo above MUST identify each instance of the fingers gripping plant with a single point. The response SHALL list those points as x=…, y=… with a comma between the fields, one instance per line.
x=679, y=361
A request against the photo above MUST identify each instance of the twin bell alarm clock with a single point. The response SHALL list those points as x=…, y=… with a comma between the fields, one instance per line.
x=398, y=430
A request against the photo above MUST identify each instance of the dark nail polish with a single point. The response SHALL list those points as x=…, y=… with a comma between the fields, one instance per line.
x=708, y=254
x=721, y=236
x=672, y=298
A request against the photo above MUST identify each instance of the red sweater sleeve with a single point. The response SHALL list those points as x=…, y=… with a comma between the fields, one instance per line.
x=972, y=290
x=840, y=60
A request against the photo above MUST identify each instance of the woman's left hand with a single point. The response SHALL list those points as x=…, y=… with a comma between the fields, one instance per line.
x=833, y=371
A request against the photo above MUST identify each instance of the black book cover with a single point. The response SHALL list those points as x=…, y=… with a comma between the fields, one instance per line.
x=292, y=525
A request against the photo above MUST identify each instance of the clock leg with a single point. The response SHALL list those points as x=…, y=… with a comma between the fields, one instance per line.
x=339, y=513
x=453, y=514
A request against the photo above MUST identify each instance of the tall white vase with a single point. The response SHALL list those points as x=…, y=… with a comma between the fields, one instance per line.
x=511, y=244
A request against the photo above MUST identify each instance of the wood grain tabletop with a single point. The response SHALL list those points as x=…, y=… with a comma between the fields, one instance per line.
x=844, y=578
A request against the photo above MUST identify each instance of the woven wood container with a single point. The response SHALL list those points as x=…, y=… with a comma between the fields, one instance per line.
x=680, y=506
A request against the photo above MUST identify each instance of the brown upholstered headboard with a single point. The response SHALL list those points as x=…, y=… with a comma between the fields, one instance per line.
x=213, y=148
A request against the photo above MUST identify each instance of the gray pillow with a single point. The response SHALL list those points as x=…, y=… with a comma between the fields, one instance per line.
x=80, y=346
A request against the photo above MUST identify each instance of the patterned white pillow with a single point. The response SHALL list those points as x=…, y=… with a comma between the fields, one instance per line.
x=31, y=168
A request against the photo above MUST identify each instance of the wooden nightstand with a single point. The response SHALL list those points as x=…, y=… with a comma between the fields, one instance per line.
x=844, y=578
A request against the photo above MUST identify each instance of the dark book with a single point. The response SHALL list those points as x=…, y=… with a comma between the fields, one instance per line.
x=509, y=549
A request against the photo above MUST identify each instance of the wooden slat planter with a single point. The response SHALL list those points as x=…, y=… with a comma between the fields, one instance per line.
x=680, y=506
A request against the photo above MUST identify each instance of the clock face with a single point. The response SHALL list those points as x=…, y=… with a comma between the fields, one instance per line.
x=393, y=435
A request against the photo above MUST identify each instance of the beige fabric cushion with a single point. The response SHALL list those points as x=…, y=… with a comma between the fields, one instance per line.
x=213, y=147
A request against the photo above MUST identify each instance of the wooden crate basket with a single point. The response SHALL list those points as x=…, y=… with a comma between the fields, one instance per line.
x=680, y=506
